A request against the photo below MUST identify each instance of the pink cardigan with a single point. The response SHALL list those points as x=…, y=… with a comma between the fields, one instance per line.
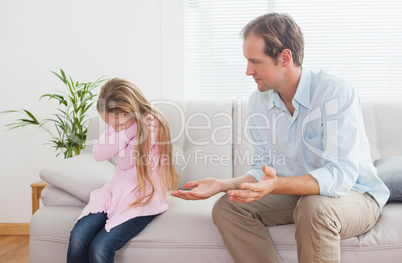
x=115, y=197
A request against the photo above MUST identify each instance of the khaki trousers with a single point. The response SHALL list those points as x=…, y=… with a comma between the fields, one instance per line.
x=321, y=223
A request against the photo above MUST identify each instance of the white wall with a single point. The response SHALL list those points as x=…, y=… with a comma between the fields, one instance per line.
x=137, y=40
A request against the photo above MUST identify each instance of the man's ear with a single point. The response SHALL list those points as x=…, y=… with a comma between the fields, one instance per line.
x=286, y=57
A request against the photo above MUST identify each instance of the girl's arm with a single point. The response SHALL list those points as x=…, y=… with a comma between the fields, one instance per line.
x=125, y=159
x=112, y=142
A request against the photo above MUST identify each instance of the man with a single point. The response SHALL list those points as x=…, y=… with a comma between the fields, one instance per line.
x=327, y=184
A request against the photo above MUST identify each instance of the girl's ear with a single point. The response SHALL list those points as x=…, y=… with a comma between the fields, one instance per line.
x=286, y=57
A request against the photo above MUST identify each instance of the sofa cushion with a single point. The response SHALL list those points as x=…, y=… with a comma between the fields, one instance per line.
x=389, y=169
x=242, y=147
x=79, y=175
x=96, y=127
x=388, y=124
x=184, y=230
x=208, y=143
x=51, y=195
x=371, y=128
x=174, y=112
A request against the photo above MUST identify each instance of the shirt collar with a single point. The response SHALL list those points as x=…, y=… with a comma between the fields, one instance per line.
x=271, y=96
x=302, y=95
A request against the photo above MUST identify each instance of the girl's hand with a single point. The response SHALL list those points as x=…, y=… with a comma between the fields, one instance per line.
x=129, y=122
x=150, y=119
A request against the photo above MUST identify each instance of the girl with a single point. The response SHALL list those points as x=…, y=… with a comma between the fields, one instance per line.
x=136, y=194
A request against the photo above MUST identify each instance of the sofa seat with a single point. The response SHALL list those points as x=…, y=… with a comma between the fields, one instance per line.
x=159, y=240
x=199, y=236
x=364, y=248
x=204, y=130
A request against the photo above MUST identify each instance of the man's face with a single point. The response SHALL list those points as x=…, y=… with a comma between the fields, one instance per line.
x=262, y=67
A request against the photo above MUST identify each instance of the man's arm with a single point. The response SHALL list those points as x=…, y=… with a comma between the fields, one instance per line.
x=246, y=188
x=208, y=187
x=272, y=184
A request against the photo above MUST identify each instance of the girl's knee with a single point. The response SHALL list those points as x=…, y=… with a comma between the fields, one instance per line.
x=77, y=239
x=100, y=252
x=80, y=240
x=77, y=248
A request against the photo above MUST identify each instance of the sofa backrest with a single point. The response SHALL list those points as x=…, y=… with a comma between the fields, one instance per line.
x=203, y=130
x=383, y=124
x=201, y=134
x=210, y=137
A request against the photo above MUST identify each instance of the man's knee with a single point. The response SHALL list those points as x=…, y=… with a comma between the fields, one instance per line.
x=314, y=210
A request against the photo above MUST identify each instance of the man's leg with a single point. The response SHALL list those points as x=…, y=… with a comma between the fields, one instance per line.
x=243, y=226
x=321, y=223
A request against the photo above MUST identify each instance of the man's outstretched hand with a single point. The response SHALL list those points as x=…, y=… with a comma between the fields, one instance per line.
x=244, y=189
x=201, y=189
x=250, y=192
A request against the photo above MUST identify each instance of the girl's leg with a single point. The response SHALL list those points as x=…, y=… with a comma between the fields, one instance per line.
x=82, y=235
x=104, y=246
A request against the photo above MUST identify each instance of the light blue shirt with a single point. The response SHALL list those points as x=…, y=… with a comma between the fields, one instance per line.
x=325, y=137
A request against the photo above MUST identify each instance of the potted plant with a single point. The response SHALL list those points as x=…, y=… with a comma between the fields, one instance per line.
x=71, y=119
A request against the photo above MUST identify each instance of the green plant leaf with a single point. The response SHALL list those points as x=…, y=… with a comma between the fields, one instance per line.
x=31, y=116
x=70, y=121
x=62, y=73
x=8, y=111
x=61, y=78
x=58, y=97
x=71, y=88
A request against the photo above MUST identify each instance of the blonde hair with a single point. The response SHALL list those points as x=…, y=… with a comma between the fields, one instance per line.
x=119, y=96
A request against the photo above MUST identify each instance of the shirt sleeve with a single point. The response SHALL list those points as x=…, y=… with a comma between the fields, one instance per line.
x=125, y=159
x=341, y=122
x=111, y=142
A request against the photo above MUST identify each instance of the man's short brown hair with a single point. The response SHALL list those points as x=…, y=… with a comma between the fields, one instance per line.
x=279, y=32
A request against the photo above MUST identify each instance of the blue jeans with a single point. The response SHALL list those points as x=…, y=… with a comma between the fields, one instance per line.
x=89, y=241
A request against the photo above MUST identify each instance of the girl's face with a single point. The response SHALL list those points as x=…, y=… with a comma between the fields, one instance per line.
x=118, y=122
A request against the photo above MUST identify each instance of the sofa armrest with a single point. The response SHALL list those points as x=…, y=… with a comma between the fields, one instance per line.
x=79, y=175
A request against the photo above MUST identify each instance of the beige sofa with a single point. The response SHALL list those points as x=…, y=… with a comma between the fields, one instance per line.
x=209, y=140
